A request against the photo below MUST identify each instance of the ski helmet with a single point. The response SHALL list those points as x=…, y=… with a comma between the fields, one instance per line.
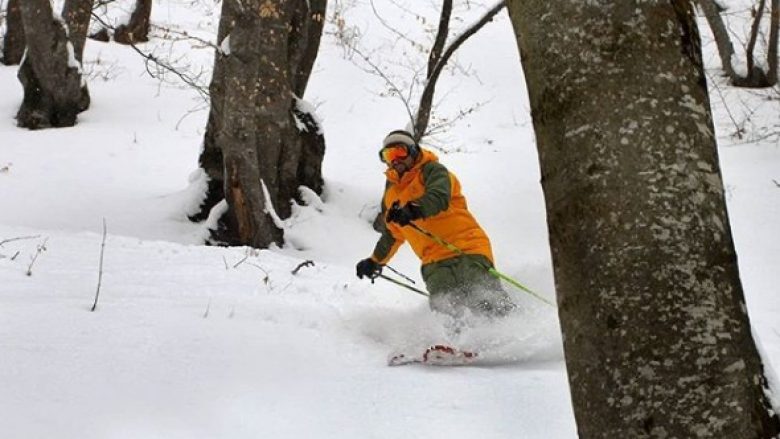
x=401, y=137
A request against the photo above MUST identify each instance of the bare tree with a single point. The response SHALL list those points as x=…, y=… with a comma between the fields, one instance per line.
x=438, y=58
x=419, y=106
x=261, y=142
x=755, y=77
x=656, y=333
x=137, y=29
x=13, y=45
x=51, y=72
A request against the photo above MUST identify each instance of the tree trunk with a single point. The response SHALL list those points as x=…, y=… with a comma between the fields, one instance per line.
x=259, y=133
x=51, y=72
x=77, y=14
x=137, y=29
x=774, y=23
x=721, y=35
x=304, y=44
x=656, y=336
x=211, y=159
x=14, y=42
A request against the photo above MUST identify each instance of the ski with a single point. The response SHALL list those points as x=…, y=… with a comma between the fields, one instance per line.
x=436, y=355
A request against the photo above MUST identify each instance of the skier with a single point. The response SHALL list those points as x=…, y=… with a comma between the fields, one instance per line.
x=421, y=191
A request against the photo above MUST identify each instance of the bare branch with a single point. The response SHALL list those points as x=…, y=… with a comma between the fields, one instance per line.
x=5, y=241
x=306, y=263
x=392, y=29
x=441, y=36
x=424, y=110
x=100, y=267
x=208, y=308
x=241, y=261
x=40, y=249
x=163, y=66
x=393, y=87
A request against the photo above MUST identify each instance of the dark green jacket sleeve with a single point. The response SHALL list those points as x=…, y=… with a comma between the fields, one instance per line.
x=438, y=189
x=388, y=244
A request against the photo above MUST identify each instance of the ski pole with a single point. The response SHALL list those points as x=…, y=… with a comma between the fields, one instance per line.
x=401, y=284
x=491, y=270
x=400, y=274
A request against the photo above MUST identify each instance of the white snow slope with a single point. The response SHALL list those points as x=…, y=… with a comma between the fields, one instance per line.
x=190, y=341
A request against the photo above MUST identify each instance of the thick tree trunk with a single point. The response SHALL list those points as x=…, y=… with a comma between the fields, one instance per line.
x=258, y=133
x=137, y=29
x=656, y=336
x=51, y=72
x=211, y=159
x=14, y=42
x=256, y=119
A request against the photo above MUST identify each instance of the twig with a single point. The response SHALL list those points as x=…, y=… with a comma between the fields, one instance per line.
x=737, y=129
x=208, y=308
x=393, y=87
x=162, y=66
x=41, y=248
x=184, y=36
x=241, y=261
x=776, y=182
x=5, y=241
x=306, y=263
x=267, y=278
x=100, y=268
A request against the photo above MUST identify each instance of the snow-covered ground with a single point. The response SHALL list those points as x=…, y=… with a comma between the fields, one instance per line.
x=190, y=341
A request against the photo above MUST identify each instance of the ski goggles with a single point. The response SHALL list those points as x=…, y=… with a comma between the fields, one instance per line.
x=392, y=153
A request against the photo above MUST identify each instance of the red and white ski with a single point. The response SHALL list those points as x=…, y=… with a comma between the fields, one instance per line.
x=436, y=355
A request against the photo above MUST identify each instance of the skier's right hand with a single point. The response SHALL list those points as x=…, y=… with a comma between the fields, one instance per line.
x=368, y=268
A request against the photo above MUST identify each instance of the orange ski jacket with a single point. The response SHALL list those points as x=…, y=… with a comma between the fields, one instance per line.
x=445, y=214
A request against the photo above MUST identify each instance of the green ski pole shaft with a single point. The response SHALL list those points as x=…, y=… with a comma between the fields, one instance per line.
x=492, y=271
x=517, y=284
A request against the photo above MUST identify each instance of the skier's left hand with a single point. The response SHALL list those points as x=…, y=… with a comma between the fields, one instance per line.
x=404, y=215
x=368, y=268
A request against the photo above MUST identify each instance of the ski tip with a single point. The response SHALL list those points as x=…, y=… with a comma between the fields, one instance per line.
x=435, y=355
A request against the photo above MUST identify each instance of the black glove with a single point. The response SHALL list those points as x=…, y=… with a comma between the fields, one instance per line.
x=367, y=267
x=404, y=215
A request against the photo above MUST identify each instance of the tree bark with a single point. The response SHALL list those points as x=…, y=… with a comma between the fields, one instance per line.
x=773, y=37
x=656, y=335
x=211, y=159
x=77, y=14
x=721, y=35
x=303, y=46
x=14, y=42
x=260, y=143
x=51, y=72
x=137, y=29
